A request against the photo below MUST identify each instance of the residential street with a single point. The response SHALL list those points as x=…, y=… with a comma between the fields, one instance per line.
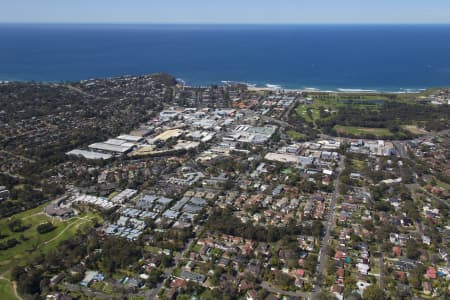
x=329, y=226
x=265, y=285
x=168, y=273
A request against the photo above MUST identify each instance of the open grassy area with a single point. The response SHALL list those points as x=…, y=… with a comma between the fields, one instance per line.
x=358, y=165
x=442, y=185
x=302, y=110
x=357, y=131
x=295, y=135
x=6, y=292
x=401, y=112
x=345, y=99
x=32, y=243
x=333, y=102
x=196, y=248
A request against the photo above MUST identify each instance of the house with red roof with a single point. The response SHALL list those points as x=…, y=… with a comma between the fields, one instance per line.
x=300, y=273
x=340, y=255
x=252, y=295
x=431, y=273
x=397, y=251
x=179, y=283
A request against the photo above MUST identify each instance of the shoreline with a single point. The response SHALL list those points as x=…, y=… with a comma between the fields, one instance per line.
x=338, y=91
x=251, y=87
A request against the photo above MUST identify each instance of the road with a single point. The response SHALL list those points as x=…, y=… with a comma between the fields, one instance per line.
x=401, y=146
x=265, y=285
x=278, y=122
x=82, y=92
x=152, y=294
x=415, y=186
x=381, y=268
x=287, y=112
x=329, y=227
x=87, y=291
x=431, y=135
x=401, y=149
x=18, y=156
x=33, y=215
x=168, y=272
x=65, y=229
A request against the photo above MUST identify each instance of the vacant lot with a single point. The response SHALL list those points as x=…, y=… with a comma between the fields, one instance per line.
x=414, y=129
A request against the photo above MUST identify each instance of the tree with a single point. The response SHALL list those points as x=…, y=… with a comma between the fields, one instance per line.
x=154, y=278
x=310, y=263
x=415, y=276
x=411, y=210
x=29, y=283
x=353, y=296
x=283, y=280
x=373, y=292
x=17, y=272
x=45, y=227
x=325, y=295
x=16, y=225
x=317, y=228
x=331, y=267
x=412, y=249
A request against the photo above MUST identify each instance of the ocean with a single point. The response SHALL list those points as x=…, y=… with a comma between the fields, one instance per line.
x=325, y=57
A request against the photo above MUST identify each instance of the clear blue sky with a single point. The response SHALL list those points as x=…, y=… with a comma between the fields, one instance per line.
x=225, y=11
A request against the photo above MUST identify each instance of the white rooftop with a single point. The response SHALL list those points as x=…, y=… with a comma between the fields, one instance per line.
x=129, y=138
x=89, y=154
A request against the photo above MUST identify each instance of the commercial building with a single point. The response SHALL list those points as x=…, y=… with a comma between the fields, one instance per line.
x=255, y=135
x=171, y=214
x=124, y=196
x=142, y=132
x=92, y=200
x=168, y=134
x=130, y=138
x=115, y=146
x=168, y=114
x=89, y=154
x=284, y=158
x=146, y=202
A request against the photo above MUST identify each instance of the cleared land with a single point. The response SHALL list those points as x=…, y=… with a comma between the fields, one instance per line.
x=414, y=129
x=358, y=165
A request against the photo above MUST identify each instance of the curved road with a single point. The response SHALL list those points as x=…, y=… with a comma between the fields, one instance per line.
x=65, y=229
x=13, y=287
x=265, y=285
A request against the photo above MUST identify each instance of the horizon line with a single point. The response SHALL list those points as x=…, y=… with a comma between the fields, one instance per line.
x=215, y=23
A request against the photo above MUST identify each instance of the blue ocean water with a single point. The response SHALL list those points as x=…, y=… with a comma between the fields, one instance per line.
x=328, y=57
